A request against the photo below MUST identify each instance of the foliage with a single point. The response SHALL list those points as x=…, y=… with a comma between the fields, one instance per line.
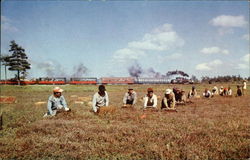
x=227, y=78
x=18, y=61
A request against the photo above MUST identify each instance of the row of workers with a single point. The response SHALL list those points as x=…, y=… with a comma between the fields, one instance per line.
x=101, y=99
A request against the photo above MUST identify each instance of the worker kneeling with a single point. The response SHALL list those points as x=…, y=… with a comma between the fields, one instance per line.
x=207, y=94
x=129, y=98
x=100, y=99
x=168, y=102
x=56, y=102
x=150, y=100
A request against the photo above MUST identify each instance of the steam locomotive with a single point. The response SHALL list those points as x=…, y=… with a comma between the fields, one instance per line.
x=94, y=81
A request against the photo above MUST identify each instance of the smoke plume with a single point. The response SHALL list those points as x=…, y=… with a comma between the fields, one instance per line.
x=80, y=70
x=135, y=70
x=152, y=73
x=170, y=73
x=52, y=69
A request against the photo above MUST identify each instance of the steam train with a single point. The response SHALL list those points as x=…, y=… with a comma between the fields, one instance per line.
x=94, y=81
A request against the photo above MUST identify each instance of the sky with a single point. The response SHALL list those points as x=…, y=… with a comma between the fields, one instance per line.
x=105, y=38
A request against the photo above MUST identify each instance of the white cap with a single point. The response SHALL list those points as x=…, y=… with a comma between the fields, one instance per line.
x=57, y=89
x=168, y=91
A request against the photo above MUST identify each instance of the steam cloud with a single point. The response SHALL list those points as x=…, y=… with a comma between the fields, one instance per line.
x=80, y=70
x=170, y=73
x=152, y=73
x=136, y=70
x=53, y=69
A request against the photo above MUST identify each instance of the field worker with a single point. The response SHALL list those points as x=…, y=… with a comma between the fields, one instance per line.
x=239, y=92
x=192, y=92
x=178, y=94
x=244, y=88
x=221, y=91
x=215, y=91
x=130, y=97
x=183, y=96
x=150, y=99
x=56, y=102
x=100, y=99
x=225, y=92
x=229, y=92
x=207, y=93
x=168, y=101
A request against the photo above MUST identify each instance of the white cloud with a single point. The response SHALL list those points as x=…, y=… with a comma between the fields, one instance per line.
x=4, y=19
x=162, y=38
x=242, y=66
x=214, y=50
x=246, y=37
x=124, y=54
x=207, y=66
x=244, y=62
x=246, y=58
x=173, y=56
x=6, y=25
x=229, y=21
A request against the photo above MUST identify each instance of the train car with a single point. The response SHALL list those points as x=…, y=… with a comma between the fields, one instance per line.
x=181, y=80
x=9, y=82
x=117, y=80
x=84, y=80
x=52, y=81
x=15, y=82
x=140, y=80
x=28, y=82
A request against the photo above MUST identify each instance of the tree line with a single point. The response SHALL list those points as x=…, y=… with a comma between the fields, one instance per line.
x=218, y=79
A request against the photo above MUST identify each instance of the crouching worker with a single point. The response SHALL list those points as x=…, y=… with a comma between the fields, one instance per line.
x=129, y=98
x=192, y=92
x=100, y=99
x=150, y=99
x=168, y=102
x=207, y=93
x=239, y=92
x=56, y=102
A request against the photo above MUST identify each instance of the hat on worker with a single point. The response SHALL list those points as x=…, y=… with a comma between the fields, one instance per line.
x=150, y=90
x=57, y=89
x=168, y=91
x=130, y=89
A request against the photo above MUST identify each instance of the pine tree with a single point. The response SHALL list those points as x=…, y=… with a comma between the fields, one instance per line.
x=5, y=61
x=18, y=61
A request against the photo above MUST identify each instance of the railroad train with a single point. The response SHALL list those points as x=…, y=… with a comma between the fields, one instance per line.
x=94, y=81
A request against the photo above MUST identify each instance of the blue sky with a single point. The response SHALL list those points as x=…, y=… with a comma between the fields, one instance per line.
x=206, y=38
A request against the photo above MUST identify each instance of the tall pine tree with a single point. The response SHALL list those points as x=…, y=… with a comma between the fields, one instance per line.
x=5, y=61
x=18, y=61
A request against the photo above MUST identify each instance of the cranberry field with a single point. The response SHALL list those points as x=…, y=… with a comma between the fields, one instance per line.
x=216, y=128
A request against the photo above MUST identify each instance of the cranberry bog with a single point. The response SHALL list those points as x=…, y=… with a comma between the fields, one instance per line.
x=216, y=128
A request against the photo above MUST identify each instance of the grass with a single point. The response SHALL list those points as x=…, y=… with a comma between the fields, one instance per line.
x=217, y=128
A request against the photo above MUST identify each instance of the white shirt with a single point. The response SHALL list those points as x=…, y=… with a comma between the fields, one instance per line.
x=244, y=85
x=208, y=94
x=153, y=100
x=127, y=96
x=99, y=101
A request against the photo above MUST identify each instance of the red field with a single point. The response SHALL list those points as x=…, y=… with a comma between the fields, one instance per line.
x=217, y=128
